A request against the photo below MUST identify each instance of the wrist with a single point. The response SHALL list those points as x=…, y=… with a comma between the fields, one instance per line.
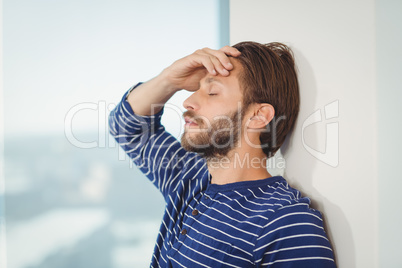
x=165, y=81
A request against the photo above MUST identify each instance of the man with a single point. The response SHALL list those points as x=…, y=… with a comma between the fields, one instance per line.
x=223, y=208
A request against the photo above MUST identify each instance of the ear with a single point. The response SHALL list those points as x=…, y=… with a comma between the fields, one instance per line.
x=261, y=116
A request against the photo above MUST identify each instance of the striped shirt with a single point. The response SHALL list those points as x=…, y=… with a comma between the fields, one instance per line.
x=263, y=223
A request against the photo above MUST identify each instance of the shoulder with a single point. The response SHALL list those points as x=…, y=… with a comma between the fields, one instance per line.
x=294, y=232
x=292, y=211
x=280, y=195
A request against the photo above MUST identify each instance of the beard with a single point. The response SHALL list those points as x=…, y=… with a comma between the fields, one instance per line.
x=213, y=140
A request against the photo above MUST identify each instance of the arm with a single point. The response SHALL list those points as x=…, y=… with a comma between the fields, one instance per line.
x=135, y=122
x=184, y=73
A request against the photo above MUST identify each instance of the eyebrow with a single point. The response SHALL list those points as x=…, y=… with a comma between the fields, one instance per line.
x=210, y=80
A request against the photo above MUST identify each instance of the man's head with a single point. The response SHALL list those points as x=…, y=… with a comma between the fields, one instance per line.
x=260, y=94
x=269, y=76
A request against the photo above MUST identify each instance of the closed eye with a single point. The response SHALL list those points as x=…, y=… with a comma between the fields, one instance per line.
x=212, y=94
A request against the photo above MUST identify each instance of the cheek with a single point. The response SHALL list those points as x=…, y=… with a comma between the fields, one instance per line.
x=223, y=104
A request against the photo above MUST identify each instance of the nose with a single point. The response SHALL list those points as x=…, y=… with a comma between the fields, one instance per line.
x=191, y=102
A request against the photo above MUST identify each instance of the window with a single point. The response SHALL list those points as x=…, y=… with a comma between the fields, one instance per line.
x=72, y=198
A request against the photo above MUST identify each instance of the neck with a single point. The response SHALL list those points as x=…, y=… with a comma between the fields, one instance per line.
x=238, y=166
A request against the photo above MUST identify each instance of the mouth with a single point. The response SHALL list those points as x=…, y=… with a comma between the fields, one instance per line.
x=189, y=122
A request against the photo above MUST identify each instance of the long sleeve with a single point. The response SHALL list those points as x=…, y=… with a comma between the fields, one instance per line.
x=152, y=149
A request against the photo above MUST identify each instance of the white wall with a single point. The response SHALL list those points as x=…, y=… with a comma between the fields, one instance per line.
x=334, y=45
x=389, y=81
x=3, y=255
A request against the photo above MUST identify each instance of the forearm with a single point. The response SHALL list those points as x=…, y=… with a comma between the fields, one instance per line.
x=185, y=73
x=149, y=97
x=147, y=144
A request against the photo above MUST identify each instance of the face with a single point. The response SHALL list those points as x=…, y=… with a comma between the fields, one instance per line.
x=213, y=117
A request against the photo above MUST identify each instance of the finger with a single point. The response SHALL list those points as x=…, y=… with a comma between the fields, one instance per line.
x=208, y=58
x=218, y=65
x=205, y=61
x=224, y=60
x=232, y=51
x=213, y=64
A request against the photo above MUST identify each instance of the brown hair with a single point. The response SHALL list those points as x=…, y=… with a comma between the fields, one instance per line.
x=269, y=76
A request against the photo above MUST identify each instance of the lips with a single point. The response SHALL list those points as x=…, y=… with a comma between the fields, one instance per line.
x=190, y=122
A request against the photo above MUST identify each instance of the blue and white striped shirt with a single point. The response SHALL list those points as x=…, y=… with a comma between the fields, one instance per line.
x=263, y=223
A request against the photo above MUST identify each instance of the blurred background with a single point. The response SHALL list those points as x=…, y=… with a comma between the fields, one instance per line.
x=72, y=198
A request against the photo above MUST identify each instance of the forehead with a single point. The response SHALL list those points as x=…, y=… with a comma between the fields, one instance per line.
x=231, y=81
